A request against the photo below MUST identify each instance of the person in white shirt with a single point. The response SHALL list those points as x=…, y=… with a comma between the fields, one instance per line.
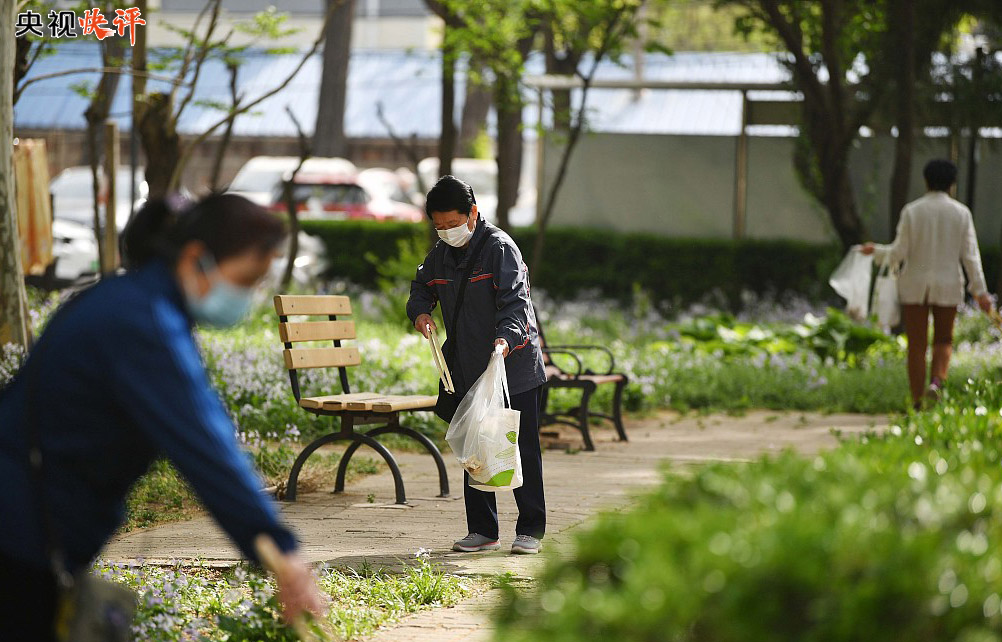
x=935, y=238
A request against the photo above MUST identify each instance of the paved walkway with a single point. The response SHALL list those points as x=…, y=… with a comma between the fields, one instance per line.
x=346, y=529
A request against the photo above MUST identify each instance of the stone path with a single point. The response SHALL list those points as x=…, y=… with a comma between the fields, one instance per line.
x=346, y=529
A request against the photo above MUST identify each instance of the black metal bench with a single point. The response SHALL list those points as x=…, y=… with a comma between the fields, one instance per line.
x=351, y=409
x=587, y=382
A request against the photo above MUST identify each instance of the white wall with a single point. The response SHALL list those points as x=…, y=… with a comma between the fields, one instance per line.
x=683, y=186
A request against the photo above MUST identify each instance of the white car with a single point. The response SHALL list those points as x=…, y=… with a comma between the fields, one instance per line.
x=73, y=195
x=74, y=251
x=259, y=178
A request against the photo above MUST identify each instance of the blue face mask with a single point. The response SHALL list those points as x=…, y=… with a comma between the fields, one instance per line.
x=224, y=305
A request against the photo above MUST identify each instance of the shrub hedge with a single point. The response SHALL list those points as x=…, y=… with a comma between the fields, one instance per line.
x=615, y=264
x=889, y=537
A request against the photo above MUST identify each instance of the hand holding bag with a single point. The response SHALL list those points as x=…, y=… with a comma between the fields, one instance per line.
x=885, y=296
x=484, y=432
x=851, y=281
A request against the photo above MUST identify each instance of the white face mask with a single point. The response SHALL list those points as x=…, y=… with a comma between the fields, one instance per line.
x=456, y=236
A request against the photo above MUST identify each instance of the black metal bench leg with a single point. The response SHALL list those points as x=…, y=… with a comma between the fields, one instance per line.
x=443, y=475
x=304, y=454
x=398, y=480
x=583, y=418
x=357, y=440
x=342, y=467
x=617, y=409
x=429, y=445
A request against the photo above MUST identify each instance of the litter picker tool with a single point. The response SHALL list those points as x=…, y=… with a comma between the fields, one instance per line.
x=443, y=367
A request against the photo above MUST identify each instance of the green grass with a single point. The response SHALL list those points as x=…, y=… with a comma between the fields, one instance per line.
x=197, y=602
x=162, y=495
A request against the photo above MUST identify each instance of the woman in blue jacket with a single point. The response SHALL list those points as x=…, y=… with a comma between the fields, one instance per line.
x=115, y=381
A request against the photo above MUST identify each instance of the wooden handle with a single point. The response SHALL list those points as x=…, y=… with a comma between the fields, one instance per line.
x=274, y=560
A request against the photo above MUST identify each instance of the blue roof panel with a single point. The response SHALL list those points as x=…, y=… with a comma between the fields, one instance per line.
x=407, y=85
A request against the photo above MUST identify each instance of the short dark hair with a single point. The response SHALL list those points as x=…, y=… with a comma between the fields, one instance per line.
x=940, y=174
x=227, y=224
x=448, y=194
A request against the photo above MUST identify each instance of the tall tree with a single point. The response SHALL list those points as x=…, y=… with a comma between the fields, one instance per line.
x=450, y=54
x=96, y=114
x=824, y=39
x=13, y=317
x=476, y=106
x=913, y=37
x=328, y=136
x=599, y=30
x=160, y=112
x=499, y=34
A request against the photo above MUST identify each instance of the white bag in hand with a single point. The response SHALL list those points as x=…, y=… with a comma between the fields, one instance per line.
x=851, y=281
x=484, y=432
x=885, y=297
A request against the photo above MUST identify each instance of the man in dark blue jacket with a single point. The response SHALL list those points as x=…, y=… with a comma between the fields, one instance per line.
x=495, y=310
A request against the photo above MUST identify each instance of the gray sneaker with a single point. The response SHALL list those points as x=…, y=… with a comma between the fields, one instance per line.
x=525, y=545
x=475, y=542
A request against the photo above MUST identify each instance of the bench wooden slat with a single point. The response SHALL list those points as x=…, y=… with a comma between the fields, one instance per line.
x=314, y=403
x=288, y=304
x=316, y=331
x=396, y=403
x=297, y=358
x=346, y=402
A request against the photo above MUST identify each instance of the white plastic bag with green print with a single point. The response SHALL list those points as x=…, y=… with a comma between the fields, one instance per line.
x=484, y=432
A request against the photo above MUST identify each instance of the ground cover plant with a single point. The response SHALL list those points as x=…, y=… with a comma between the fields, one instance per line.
x=893, y=536
x=195, y=602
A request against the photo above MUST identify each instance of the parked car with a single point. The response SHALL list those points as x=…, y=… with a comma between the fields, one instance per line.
x=74, y=251
x=333, y=195
x=73, y=195
x=261, y=177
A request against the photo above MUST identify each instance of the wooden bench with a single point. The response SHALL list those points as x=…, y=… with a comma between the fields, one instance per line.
x=350, y=408
x=584, y=380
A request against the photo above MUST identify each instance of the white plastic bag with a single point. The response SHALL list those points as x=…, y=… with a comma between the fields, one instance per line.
x=851, y=281
x=484, y=432
x=885, y=297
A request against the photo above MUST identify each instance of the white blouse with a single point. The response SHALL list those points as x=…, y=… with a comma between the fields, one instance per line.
x=935, y=236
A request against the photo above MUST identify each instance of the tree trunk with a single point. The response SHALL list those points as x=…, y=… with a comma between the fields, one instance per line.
x=476, y=106
x=138, y=97
x=447, y=139
x=904, y=24
x=977, y=75
x=224, y=143
x=509, y=147
x=329, y=138
x=290, y=208
x=161, y=144
x=13, y=317
x=565, y=64
x=112, y=51
x=22, y=57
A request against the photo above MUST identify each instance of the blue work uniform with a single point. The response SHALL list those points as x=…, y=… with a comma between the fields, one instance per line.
x=496, y=304
x=116, y=381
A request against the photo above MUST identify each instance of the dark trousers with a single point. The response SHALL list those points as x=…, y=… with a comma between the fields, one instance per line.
x=28, y=599
x=481, y=507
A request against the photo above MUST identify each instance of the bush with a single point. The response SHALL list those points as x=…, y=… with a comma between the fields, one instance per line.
x=891, y=537
x=615, y=264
